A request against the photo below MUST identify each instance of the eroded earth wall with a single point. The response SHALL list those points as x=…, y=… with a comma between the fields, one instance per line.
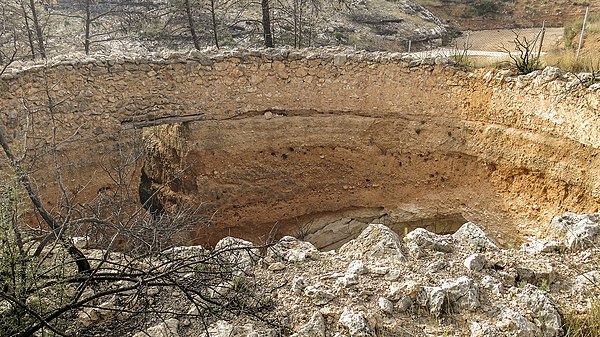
x=315, y=142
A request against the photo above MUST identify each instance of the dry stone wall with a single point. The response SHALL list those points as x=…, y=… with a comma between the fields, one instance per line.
x=278, y=140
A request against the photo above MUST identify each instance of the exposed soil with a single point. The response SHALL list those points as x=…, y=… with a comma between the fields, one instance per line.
x=509, y=14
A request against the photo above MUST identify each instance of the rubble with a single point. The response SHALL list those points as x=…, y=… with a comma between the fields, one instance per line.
x=372, y=286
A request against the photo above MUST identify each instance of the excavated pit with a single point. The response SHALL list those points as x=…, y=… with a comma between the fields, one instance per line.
x=316, y=143
x=325, y=176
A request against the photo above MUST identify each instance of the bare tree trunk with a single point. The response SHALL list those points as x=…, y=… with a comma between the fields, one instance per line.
x=82, y=263
x=266, y=23
x=38, y=29
x=88, y=22
x=28, y=28
x=190, y=18
x=214, y=22
x=295, y=17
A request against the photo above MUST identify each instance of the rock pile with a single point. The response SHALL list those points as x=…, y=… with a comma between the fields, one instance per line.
x=424, y=284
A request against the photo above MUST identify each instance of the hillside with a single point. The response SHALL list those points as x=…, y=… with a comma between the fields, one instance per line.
x=489, y=14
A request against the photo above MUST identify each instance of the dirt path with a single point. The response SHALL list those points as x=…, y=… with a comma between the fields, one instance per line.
x=493, y=40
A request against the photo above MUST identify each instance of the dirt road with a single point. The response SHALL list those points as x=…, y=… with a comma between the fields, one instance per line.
x=494, y=40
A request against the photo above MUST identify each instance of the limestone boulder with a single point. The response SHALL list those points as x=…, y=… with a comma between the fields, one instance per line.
x=483, y=329
x=585, y=283
x=240, y=254
x=320, y=293
x=513, y=323
x=223, y=328
x=475, y=262
x=537, y=246
x=421, y=241
x=291, y=249
x=168, y=328
x=375, y=242
x=474, y=237
x=547, y=317
x=578, y=230
x=315, y=327
x=462, y=294
x=432, y=298
x=356, y=323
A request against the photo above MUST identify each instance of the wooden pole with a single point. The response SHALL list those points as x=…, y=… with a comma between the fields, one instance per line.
x=409, y=45
x=582, y=32
x=542, y=38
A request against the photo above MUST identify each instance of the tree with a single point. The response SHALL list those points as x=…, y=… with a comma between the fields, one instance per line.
x=525, y=57
x=37, y=27
x=266, y=23
x=208, y=22
x=105, y=20
x=298, y=18
x=17, y=22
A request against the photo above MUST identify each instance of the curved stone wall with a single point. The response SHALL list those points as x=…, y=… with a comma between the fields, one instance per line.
x=319, y=142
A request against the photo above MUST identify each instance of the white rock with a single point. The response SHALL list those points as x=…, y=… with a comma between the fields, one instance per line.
x=462, y=293
x=385, y=305
x=298, y=284
x=483, y=330
x=378, y=270
x=471, y=235
x=276, y=266
x=184, y=251
x=193, y=310
x=377, y=242
x=580, y=230
x=240, y=254
x=356, y=323
x=81, y=242
x=475, y=262
x=550, y=73
x=512, y=323
x=437, y=266
x=492, y=284
x=315, y=327
x=225, y=329
x=167, y=328
x=346, y=281
x=432, y=298
x=536, y=246
x=420, y=240
x=586, y=283
x=319, y=293
x=546, y=315
x=222, y=289
x=339, y=59
x=355, y=268
x=392, y=275
x=291, y=249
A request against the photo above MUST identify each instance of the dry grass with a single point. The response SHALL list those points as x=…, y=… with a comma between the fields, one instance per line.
x=586, y=325
x=565, y=59
x=573, y=30
x=488, y=62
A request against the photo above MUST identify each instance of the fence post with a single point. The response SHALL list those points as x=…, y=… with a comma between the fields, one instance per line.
x=542, y=38
x=409, y=45
x=582, y=32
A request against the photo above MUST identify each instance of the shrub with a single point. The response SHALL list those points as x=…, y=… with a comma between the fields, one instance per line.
x=524, y=57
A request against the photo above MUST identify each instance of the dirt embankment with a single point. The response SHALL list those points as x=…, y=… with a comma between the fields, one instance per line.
x=321, y=142
x=479, y=15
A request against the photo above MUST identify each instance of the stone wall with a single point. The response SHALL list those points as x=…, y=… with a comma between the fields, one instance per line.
x=293, y=141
